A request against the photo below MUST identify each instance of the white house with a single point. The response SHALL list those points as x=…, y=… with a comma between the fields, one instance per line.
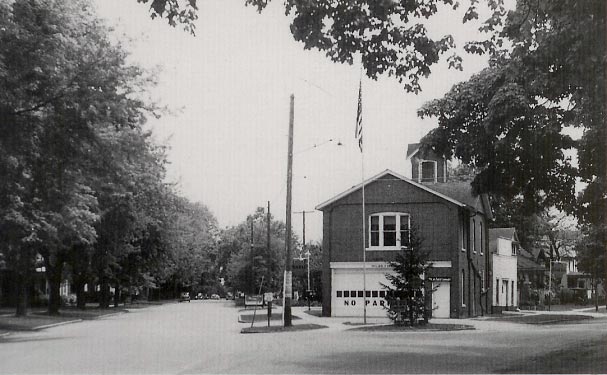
x=504, y=246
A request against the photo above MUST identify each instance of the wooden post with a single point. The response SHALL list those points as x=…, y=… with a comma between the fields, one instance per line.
x=288, y=261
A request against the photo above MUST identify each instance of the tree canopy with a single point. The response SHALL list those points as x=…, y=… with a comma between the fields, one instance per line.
x=81, y=181
x=510, y=120
x=391, y=37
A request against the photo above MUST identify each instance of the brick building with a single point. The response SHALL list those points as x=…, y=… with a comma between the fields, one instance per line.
x=450, y=220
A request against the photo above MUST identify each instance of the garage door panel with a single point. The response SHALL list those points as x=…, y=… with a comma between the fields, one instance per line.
x=347, y=297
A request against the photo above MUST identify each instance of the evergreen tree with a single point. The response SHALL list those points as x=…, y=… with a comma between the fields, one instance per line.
x=408, y=293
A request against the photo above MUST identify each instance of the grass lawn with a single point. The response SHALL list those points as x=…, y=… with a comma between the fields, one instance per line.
x=297, y=327
x=543, y=318
x=88, y=314
x=417, y=328
x=37, y=319
x=31, y=322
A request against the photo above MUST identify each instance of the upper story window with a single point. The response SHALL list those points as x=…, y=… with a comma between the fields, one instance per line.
x=464, y=232
x=389, y=231
x=428, y=171
x=482, y=247
x=513, y=249
x=473, y=236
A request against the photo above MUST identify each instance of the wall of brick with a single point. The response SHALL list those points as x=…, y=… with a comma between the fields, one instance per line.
x=438, y=223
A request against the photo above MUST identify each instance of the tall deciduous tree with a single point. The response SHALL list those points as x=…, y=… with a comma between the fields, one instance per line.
x=249, y=258
x=510, y=119
x=67, y=99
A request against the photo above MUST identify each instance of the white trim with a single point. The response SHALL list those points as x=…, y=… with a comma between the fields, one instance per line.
x=414, y=152
x=382, y=174
x=398, y=241
x=420, y=169
x=341, y=265
x=381, y=265
x=441, y=263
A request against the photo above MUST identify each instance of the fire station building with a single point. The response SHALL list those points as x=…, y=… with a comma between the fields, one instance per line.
x=449, y=219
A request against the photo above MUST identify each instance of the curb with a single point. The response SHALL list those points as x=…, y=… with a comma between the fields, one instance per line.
x=55, y=324
x=108, y=315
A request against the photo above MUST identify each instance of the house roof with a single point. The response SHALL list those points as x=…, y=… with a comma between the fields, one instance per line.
x=412, y=149
x=506, y=233
x=453, y=194
x=527, y=261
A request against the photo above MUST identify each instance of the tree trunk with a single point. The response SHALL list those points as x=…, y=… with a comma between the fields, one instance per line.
x=54, y=274
x=22, y=294
x=104, y=294
x=116, y=294
x=80, y=295
x=595, y=285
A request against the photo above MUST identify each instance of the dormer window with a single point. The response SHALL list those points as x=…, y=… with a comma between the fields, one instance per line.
x=389, y=231
x=428, y=171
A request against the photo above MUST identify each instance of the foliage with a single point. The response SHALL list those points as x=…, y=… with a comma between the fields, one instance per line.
x=550, y=230
x=390, y=36
x=509, y=120
x=81, y=181
x=407, y=295
x=244, y=251
x=591, y=252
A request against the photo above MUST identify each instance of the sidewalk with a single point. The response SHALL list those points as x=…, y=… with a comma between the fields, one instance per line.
x=581, y=312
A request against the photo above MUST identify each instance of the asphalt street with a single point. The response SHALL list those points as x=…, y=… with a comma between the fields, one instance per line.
x=204, y=337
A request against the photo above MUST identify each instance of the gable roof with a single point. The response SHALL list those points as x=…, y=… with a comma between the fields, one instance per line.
x=525, y=260
x=495, y=233
x=412, y=149
x=507, y=233
x=440, y=194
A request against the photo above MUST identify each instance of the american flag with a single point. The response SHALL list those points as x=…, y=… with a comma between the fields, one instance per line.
x=358, y=134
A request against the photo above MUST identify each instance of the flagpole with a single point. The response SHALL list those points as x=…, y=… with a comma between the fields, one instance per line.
x=359, y=133
x=362, y=164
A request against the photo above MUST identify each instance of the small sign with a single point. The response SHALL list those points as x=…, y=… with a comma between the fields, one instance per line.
x=288, y=283
x=268, y=297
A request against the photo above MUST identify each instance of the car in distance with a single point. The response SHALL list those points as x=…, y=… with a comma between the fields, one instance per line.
x=215, y=296
x=184, y=296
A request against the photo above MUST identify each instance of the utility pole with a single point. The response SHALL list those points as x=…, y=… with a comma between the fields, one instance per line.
x=288, y=286
x=268, y=230
x=304, y=244
x=252, y=261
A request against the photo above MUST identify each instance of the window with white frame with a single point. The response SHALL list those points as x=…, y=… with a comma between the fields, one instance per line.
x=474, y=236
x=513, y=249
x=482, y=248
x=464, y=232
x=389, y=231
x=427, y=171
x=463, y=285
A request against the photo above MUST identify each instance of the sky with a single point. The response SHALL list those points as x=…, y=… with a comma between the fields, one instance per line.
x=228, y=89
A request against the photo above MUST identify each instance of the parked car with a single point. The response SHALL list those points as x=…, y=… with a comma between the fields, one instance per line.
x=184, y=296
x=215, y=296
x=199, y=296
x=229, y=296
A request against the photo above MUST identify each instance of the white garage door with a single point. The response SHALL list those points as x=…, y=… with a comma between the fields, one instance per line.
x=441, y=299
x=347, y=292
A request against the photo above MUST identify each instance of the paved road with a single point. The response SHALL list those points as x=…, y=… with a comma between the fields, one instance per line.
x=203, y=337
